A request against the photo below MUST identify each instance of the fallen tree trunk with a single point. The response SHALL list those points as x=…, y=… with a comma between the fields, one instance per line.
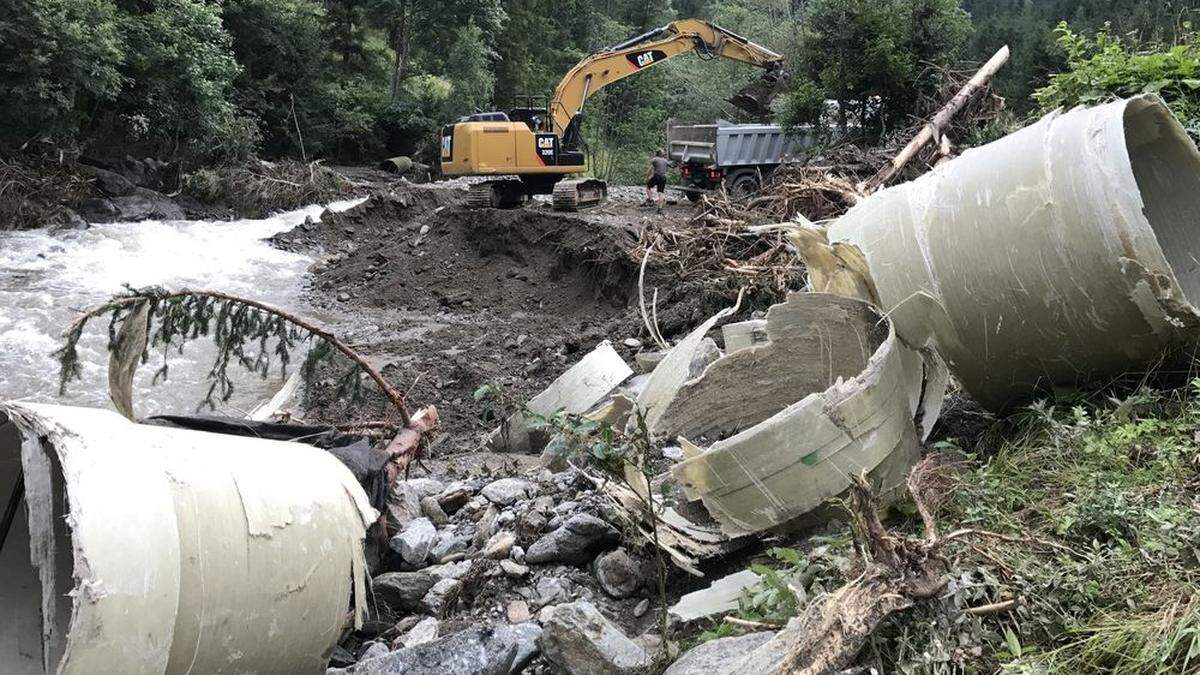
x=937, y=125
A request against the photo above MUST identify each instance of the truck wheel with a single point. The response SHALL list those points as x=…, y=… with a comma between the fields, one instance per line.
x=743, y=186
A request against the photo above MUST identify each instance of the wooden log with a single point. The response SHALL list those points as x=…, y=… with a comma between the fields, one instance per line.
x=937, y=125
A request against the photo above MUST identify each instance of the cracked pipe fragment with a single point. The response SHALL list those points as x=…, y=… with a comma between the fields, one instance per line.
x=1064, y=253
x=186, y=551
x=832, y=393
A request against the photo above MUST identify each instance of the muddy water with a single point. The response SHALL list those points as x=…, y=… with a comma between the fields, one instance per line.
x=46, y=277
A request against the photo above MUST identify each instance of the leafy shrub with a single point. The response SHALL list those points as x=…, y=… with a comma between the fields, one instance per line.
x=1108, y=66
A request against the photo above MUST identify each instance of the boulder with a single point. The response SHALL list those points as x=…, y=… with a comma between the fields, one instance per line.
x=426, y=630
x=506, y=491
x=441, y=597
x=576, y=542
x=401, y=592
x=577, y=638
x=482, y=650
x=414, y=541
x=716, y=656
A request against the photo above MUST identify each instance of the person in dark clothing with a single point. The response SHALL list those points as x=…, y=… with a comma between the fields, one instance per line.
x=656, y=179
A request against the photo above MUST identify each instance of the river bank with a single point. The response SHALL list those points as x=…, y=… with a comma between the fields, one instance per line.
x=73, y=191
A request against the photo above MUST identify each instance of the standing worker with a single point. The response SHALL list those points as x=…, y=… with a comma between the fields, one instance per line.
x=656, y=178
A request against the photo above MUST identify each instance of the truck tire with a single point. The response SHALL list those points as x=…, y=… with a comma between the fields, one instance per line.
x=693, y=195
x=743, y=185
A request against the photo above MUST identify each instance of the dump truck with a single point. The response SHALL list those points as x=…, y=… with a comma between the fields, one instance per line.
x=739, y=157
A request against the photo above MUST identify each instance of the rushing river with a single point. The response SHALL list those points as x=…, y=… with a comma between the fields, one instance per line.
x=47, y=277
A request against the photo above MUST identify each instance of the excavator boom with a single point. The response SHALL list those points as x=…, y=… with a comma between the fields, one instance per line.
x=544, y=148
x=635, y=55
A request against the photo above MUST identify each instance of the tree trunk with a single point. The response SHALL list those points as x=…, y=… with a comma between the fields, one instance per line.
x=400, y=47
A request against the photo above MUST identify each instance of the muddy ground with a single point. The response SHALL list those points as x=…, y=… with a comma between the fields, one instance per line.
x=509, y=298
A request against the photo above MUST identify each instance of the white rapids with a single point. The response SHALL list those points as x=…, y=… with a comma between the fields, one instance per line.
x=47, y=277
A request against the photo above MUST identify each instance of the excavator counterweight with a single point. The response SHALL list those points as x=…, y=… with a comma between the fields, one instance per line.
x=540, y=151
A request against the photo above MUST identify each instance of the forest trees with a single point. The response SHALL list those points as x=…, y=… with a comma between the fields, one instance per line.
x=872, y=59
x=350, y=80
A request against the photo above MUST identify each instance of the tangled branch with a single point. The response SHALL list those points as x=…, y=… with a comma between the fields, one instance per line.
x=242, y=329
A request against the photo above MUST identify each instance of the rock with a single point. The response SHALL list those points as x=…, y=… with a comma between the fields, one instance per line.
x=505, y=491
x=513, y=569
x=442, y=597
x=517, y=611
x=374, y=649
x=451, y=502
x=403, y=505
x=517, y=554
x=343, y=296
x=577, y=638
x=716, y=656
x=401, y=592
x=447, y=545
x=499, y=546
x=452, y=570
x=576, y=542
x=413, y=543
x=432, y=510
x=146, y=204
x=551, y=591
x=531, y=526
x=111, y=183
x=632, y=343
x=426, y=630
x=617, y=573
x=426, y=487
x=97, y=210
x=482, y=650
x=642, y=607
x=505, y=518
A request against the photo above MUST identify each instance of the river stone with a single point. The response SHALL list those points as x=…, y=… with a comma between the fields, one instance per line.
x=716, y=656
x=577, y=638
x=482, y=650
x=576, y=542
x=426, y=630
x=426, y=487
x=414, y=542
x=617, y=573
x=401, y=591
x=432, y=510
x=448, y=544
x=403, y=505
x=505, y=491
x=442, y=597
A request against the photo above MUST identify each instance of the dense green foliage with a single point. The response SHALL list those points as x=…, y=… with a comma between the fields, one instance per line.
x=1107, y=66
x=356, y=79
x=873, y=58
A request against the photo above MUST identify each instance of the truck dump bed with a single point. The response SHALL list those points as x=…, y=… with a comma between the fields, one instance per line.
x=731, y=145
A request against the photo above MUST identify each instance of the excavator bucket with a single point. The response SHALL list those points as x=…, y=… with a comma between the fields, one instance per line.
x=756, y=97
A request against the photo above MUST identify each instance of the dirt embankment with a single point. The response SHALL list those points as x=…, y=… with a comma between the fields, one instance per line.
x=471, y=297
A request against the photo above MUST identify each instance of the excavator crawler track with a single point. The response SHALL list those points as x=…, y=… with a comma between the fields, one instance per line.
x=500, y=194
x=572, y=195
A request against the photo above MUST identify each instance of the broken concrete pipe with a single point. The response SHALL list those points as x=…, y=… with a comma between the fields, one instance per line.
x=1064, y=252
x=831, y=393
x=146, y=549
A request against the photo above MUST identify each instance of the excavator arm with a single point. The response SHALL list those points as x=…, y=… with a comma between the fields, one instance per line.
x=635, y=55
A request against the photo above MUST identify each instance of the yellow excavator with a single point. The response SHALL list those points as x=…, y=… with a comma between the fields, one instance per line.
x=542, y=147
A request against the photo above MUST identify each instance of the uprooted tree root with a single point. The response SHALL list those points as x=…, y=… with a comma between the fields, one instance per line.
x=39, y=192
x=900, y=570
